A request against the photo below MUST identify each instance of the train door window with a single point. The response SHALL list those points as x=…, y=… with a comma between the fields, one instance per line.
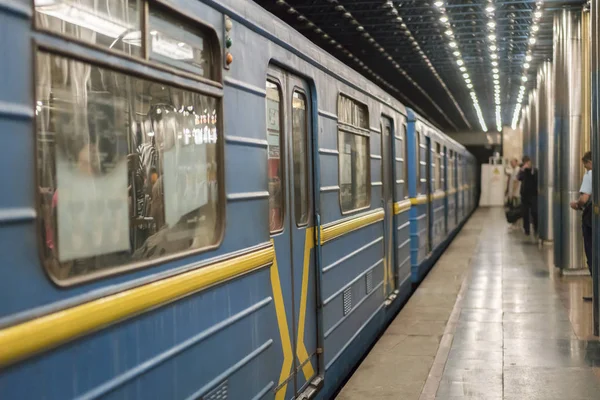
x=275, y=153
x=437, y=168
x=111, y=24
x=405, y=160
x=450, y=169
x=418, y=164
x=133, y=166
x=299, y=155
x=353, y=146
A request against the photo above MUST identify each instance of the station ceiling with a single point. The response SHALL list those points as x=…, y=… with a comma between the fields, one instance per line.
x=420, y=50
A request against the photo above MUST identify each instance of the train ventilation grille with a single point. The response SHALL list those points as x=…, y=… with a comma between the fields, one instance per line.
x=347, y=300
x=369, y=281
x=218, y=393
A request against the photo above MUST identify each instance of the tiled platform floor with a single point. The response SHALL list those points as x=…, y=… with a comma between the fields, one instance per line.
x=493, y=320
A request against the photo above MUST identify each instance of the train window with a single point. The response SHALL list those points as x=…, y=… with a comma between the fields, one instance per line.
x=178, y=44
x=113, y=24
x=405, y=160
x=353, y=146
x=300, y=152
x=274, y=113
x=131, y=166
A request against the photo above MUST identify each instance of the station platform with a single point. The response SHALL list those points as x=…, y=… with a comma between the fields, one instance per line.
x=492, y=320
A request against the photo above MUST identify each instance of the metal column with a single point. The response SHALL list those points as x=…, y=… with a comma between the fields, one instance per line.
x=569, y=106
x=545, y=124
x=525, y=129
x=559, y=87
x=533, y=132
x=595, y=144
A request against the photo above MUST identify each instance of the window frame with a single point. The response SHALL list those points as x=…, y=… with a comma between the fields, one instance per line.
x=144, y=57
x=346, y=128
x=153, y=74
x=282, y=156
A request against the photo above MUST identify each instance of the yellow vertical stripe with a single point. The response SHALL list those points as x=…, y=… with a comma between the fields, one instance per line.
x=301, y=351
x=286, y=344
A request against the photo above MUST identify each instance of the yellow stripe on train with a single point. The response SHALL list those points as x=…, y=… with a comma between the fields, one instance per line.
x=44, y=333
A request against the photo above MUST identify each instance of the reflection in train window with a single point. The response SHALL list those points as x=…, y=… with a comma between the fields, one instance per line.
x=353, y=147
x=128, y=168
x=181, y=45
x=111, y=24
x=300, y=153
x=275, y=152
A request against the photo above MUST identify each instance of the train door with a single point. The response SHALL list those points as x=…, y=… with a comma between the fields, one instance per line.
x=289, y=130
x=429, y=192
x=387, y=178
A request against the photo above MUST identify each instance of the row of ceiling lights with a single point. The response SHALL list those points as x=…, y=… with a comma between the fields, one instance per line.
x=367, y=36
x=537, y=15
x=394, y=12
x=302, y=18
x=452, y=43
x=490, y=11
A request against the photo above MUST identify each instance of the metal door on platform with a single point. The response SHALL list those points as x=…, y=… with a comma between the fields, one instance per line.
x=387, y=179
x=290, y=161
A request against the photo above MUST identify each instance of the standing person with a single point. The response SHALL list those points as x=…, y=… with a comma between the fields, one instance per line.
x=512, y=188
x=584, y=203
x=529, y=191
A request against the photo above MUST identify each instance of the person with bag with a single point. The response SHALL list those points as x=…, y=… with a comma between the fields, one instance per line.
x=584, y=203
x=512, y=205
x=528, y=177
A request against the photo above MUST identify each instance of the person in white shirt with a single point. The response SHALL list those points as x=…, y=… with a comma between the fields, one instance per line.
x=584, y=203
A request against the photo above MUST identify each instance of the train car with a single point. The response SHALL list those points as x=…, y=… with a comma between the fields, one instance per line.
x=433, y=191
x=202, y=204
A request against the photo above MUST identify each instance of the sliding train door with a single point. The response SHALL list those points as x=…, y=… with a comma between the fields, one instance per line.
x=290, y=164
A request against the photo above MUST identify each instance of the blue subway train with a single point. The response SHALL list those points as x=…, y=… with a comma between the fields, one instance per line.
x=200, y=203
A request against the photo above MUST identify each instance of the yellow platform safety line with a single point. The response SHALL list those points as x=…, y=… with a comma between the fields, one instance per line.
x=26, y=339
x=284, y=333
x=301, y=351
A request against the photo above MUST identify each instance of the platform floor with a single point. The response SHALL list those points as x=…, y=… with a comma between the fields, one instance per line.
x=492, y=320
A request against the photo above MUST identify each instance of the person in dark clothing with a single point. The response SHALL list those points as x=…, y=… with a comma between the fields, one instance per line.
x=584, y=203
x=529, y=192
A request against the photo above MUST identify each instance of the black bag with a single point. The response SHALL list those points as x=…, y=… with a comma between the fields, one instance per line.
x=513, y=215
x=586, y=217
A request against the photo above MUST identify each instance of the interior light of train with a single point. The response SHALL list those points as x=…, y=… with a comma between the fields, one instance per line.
x=77, y=14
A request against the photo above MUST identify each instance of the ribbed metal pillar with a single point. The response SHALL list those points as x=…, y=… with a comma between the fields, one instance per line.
x=533, y=131
x=545, y=118
x=571, y=137
x=525, y=129
x=559, y=90
x=595, y=144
